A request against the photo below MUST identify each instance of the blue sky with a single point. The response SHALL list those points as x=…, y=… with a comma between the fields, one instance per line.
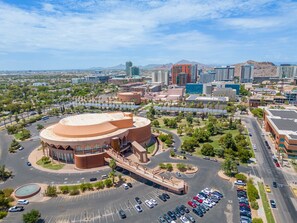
x=66, y=34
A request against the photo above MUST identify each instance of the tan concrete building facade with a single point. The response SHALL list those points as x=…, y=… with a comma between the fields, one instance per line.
x=83, y=139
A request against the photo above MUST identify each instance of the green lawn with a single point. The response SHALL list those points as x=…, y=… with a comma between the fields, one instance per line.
x=50, y=166
x=215, y=139
x=151, y=148
x=266, y=205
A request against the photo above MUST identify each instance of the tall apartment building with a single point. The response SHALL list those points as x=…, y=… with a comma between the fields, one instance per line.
x=246, y=73
x=134, y=71
x=160, y=76
x=287, y=71
x=181, y=68
x=225, y=73
x=129, y=64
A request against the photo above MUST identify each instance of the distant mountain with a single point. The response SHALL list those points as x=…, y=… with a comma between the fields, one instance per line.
x=261, y=69
x=200, y=65
x=157, y=66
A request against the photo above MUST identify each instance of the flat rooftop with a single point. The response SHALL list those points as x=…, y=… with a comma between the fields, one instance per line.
x=202, y=98
x=285, y=121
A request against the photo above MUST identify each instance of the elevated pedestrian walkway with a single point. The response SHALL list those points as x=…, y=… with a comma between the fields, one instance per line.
x=173, y=184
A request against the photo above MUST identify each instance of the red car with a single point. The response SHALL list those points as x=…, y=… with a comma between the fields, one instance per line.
x=244, y=205
x=192, y=204
x=198, y=199
x=277, y=164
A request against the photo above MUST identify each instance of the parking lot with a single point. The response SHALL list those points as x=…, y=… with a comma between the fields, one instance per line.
x=103, y=206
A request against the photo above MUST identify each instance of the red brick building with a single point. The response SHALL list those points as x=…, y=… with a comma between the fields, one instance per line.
x=181, y=68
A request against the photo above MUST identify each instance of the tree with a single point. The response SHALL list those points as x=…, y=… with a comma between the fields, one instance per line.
x=112, y=175
x=14, y=146
x=156, y=123
x=219, y=152
x=51, y=191
x=32, y=216
x=4, y=174
x=181, y=167
x=39, y=126
x=179, y=131
x=108, y=183
x=240, y=176
x=227, y=142
x=244, y=155
x=189, y=144
x=172, y=153
x=169, y=167
x=229, y=167
x=207, y=150
x=112, y=164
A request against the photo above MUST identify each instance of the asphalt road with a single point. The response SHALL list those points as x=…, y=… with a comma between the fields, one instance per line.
x=103, y=206
x=285, y=211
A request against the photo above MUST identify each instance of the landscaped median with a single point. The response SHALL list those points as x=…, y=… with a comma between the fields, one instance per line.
x=267, y=209
x=45, y=162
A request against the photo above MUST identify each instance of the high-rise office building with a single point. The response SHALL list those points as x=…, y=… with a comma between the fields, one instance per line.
x=160, y=76
x=134, y=71
x=287, y=71
x=182, y=79
x=194, y=73
x=128, y=68
x=225, y=73
x=181, y=68
x=207, y=77
x=246, y=73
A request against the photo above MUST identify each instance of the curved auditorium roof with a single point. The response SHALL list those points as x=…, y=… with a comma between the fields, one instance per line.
x=92, y=125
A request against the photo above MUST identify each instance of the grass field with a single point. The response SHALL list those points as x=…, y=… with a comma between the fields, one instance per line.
x=51, y=166
x=267, y=209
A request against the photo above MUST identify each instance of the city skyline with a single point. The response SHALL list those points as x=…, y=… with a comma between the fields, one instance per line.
x=83, y=34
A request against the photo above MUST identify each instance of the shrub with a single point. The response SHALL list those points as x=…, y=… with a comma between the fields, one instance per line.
x=74, y=192
x=252, y=191
x=254, y=205
x=181, y=167
x=32, y=216
x=7, y=191
x=89, y=186
x=169, y=167
x=108, y=183
x=162, y=165
x=3, y=214
x=99, y=185
x=172, y=153
x=51, y=191
x=83, y=187
x=64, y=189
x=45, y=160
x=257, y=220
x=240, y=176
x=207, y=150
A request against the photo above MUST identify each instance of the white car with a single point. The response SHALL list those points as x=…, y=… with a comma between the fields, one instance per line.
x=207, y=204
x=200, y=196
x=184, y=219
x=138, y=208
x=211, y=202
x=149, y=204
x=207, y=191
x=126, y=186
x=23, y=202
x=154, y=202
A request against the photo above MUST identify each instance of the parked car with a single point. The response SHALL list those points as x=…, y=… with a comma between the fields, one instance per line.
x=244, y=205
x=166, y=196
x=184, y=219
x=171, y=214
x=245, y=219
x=274, y=184
x=137, y=199
x=154, y=202
x=149, y=203
x=277, y=164
x=122, y=214
x=198, y=212
x=104, y=176
x=177, y=214
x=240, y=183
x=192, y=204
x=272, y=203
x=267, y=188
x=138, y=208
x=198, y=199
x=126, y=187
x=190, y=218
x=29, y=164
x=16, y=209
x=93, y=179
x=245, y=213
x=181, y=211
x=23, y=202
x=129, y=185
x=166, y=217
x=185, y=209
x=162, y=197
x=162, y=220
x=206, y=158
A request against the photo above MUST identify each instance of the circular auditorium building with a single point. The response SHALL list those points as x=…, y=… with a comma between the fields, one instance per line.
x=82, y=139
